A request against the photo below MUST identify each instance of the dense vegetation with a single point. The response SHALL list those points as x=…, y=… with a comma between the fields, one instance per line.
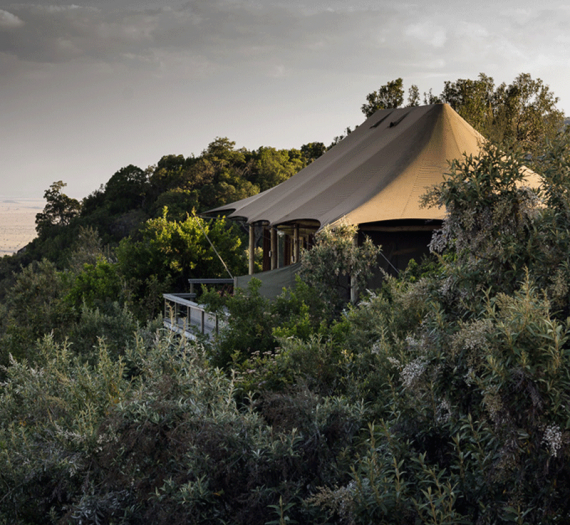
x=133, y=239
x=440, y=398
x=519, y=115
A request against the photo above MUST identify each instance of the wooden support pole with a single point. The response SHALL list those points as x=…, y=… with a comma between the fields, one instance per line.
x=353, y=285
x=296, y=250
x=251, y=249
x=266, y=241
x=274, y=254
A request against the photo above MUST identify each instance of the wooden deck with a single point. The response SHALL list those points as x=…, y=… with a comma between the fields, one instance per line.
x=184, y=316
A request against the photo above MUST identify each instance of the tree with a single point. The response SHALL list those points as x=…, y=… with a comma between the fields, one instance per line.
x=36, y=307
x=126, y=189
x=178, y=201
x=413, y=96
x=389, y=96
x=96, y=285
x=522, y=114
x=312, y=151
x=59, y=208
x=526, y=113
x=221, y=173
x=171, y=173
x=167, y=253
x=476, y=393
x=474, y=100
x=489, y=222
x=336, y=263
x=276, y=166
x=430, y=98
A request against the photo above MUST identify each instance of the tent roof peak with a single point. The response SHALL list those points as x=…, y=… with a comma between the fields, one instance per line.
x=378, y=172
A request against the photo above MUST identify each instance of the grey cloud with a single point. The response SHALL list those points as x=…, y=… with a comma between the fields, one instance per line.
x=219, y=31
x=8, y=20
x=62, y=33
x=201, y=37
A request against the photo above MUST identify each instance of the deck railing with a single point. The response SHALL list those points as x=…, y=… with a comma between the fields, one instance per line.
x=183, y=315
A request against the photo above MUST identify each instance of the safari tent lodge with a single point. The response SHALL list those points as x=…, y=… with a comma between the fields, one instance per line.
x=373, y=178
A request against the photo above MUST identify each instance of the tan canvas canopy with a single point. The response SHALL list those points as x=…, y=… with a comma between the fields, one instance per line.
x=377, y=173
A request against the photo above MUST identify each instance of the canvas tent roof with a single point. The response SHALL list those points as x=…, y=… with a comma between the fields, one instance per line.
x=377, y=173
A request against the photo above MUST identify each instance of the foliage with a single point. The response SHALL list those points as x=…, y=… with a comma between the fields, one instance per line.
x=35, y=306
x=469, y=379
x=44, y=300
x=522, y=113
x=254, y=325
x=497, y=226
x=222, y=170
x=87, y=249
x=470, y=406
x=336, y=264
x=312, y=151
x=248, y=327
x=463, y=368
x=316, y=363
x=121, y=207
x=440, y=398
x=170, y=252
x=59, y=208
x=49, y=421
x=113, y=326
x=519, y=115
x=413, y=96
x=158, y=437
x=178, y=201
x=474, y=100
x=97, y=284
x=276, y=166
x=389, y=96
x=489, y=224
x=126, y=189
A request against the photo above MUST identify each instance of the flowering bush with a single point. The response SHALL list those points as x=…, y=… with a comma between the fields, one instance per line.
x=472, y=424
x=441, y=398
x=337, y=263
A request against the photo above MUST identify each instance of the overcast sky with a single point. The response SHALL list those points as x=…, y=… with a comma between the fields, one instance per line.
x=88, y=88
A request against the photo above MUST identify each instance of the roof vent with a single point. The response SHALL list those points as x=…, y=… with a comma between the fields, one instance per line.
x=381, y=120
x=396, y=122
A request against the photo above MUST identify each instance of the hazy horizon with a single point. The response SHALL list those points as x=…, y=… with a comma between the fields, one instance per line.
x=17, y=223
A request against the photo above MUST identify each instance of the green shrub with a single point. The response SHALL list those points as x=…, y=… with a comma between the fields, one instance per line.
x=96, y=285
x=336, y=264
x=157, y=436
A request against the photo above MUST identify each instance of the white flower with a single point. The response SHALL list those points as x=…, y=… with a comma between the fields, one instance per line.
x=443, y=412
x=553, y=439
x=413, y=371
x=395, y=362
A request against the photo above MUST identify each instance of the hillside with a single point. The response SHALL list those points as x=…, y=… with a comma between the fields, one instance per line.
x=439, y=397
x=420, y=404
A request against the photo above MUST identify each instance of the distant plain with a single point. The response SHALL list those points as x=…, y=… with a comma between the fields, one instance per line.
x=17, y=223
